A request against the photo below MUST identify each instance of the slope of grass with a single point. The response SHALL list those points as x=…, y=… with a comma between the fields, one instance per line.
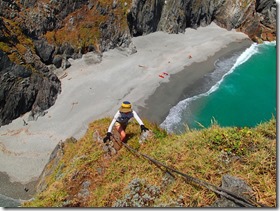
x=86, y=177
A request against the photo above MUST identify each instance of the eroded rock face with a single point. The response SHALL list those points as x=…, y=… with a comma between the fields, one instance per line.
x=144, y=16
x=23, y=90
x=267, y=11
x=255, y=18
x=42, y=17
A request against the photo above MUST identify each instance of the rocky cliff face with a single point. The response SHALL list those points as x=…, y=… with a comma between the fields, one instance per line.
x=36, y=33
x=255, y=18
x=21, y=90
x=26, y=84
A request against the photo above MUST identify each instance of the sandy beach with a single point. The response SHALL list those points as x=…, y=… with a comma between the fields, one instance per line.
x=184, y=84
x=92, y=91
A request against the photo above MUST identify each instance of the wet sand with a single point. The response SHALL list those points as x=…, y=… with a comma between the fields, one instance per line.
x=184, y=84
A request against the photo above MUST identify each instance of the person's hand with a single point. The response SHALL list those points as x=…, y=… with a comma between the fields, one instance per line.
x=107, y=138
x=143, y=128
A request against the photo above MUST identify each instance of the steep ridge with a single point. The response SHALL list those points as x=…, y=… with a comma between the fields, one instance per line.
x=81, y=174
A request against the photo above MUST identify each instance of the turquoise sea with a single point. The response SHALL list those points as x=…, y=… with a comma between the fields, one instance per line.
x=243, y=93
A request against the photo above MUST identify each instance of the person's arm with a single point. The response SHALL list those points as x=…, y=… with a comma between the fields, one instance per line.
x=113, y=122
x=135, y=115
x=109, y=132
x=142, y=126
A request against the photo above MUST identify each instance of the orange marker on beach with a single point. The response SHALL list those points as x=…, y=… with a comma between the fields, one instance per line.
x=161, y=76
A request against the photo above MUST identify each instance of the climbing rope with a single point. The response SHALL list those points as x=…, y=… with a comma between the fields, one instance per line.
x=189, y=179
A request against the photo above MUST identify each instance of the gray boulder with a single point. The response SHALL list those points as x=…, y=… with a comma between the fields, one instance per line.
x=236, y=186
x=44, y=50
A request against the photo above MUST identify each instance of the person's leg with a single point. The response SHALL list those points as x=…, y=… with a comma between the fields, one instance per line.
x=121, y=132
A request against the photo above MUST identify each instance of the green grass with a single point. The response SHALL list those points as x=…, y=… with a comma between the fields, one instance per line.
x=207, y=154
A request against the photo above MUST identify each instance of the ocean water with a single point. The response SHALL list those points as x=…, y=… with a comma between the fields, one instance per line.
x=242, y=92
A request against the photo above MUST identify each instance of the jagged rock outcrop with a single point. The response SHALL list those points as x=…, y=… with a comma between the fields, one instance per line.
x=267, y=12
x=170, y=16
x=44, y=50
x=36, y=33
x=9, y=9
x=22, y=90
x=70, y=18
x=40, y=16
x=144, y=16
x=26, y=84
x=255, y=18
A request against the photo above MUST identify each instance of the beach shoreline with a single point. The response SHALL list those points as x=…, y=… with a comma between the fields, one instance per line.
x=92, y=91
x=158, y=105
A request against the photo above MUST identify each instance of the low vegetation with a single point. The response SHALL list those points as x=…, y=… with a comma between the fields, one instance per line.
x=14, y=42
x=86, y=176
x=83, y=28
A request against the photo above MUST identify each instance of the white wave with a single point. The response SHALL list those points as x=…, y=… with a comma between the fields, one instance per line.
x=272, y=43
x=175, y=114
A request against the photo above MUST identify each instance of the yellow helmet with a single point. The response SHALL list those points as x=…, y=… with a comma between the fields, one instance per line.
x=125, y=107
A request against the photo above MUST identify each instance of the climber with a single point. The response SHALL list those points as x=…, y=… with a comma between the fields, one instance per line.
x=120, y=120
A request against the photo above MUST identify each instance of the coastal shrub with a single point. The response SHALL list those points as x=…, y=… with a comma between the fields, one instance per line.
x=86, y=29
x=141, y=194
x=268, y=129
x=159, y=133
x=232, y=140
x=5, y=47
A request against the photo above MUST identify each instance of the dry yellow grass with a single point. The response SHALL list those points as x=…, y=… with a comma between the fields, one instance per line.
x=198, y=153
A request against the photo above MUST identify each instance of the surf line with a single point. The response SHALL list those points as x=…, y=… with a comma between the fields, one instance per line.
x=175, y=114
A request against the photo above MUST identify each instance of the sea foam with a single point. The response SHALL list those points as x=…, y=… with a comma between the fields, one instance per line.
x=175, y=114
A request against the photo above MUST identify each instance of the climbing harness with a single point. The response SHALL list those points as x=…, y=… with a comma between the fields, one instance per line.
x=191, y=180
